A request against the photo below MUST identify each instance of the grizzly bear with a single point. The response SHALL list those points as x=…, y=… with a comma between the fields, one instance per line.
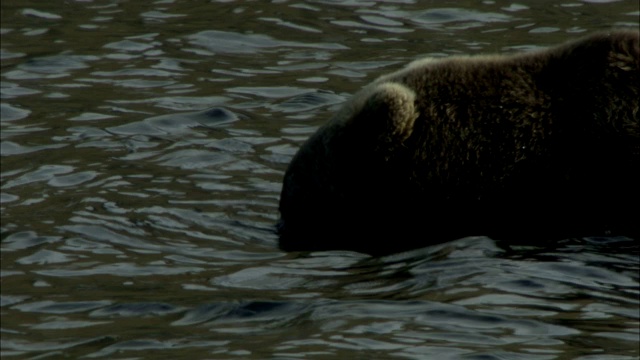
x=527, y=147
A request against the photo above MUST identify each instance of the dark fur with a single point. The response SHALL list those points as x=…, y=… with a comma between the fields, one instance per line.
x=529, y=147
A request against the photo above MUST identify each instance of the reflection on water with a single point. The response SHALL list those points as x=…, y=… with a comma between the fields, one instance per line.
x=143, y=145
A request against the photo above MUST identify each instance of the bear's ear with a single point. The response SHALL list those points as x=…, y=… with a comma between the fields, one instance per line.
x=388, y=113
x=625, y=54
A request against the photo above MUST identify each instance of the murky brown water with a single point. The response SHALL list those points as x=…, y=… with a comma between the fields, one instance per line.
x=143, y=145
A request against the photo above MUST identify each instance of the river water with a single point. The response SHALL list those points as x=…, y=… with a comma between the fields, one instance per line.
x=143, y=147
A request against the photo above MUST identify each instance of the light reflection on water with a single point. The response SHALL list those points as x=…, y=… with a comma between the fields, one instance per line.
x=143, y=146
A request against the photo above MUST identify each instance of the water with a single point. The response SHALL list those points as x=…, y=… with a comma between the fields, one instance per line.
x=143, y=146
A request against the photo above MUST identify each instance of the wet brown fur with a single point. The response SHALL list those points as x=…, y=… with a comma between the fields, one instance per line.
x=531, y=146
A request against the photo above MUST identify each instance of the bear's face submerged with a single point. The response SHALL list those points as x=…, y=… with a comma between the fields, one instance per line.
x=528, y=146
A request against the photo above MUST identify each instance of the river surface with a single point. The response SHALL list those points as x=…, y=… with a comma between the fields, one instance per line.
x=143, y=148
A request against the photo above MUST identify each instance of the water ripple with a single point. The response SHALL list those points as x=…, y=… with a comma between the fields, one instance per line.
x=41, y=14
x=9, y=112
x=180, y=123
x=236, y=43
x=8, y=148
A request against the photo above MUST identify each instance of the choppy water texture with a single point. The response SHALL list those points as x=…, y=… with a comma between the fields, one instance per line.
x=143, y=145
